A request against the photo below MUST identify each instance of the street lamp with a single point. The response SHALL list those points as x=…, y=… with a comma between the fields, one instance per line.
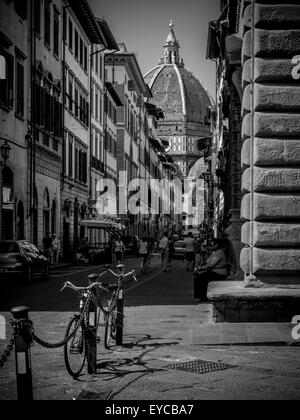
x=5, y=150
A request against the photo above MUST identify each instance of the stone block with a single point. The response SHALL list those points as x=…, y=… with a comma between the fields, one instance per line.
x=245, y=154
x=277, y=16
x=247, y=99
x=277, y=98
x=281, y=43
x=271, y=235
x=272, y=71
x=271, y=261
x=275, y=125
x=247, y=47
x=246, y=126
x=271, y=180
x=247, y=18
x=273, y=152
x=246, y=76
x=272, y=207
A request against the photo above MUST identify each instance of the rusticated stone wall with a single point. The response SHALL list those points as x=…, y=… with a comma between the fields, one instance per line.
x=271, y=142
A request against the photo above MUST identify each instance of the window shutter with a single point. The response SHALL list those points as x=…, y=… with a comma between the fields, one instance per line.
x=10, y=81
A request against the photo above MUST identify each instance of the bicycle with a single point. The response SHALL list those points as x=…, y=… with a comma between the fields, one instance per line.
x=75, y=348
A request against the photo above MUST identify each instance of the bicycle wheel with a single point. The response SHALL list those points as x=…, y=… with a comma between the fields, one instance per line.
x=74, y=350
x=110, y=329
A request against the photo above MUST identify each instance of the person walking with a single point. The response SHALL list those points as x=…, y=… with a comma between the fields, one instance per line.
x=55, y=249
x=189, y=246
x=144, y=254
x=215, y=269
x=171, y=250
x=119, y=249
x=164, y=252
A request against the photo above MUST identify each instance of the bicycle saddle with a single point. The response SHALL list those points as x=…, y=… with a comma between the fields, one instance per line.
x=93, y=277
x=121, y=266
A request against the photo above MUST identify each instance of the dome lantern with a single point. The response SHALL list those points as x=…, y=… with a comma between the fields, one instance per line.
x=171, y=48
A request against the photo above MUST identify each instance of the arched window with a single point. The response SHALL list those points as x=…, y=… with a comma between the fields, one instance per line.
x=53, y=217
x=46, y=213
x=20, y=221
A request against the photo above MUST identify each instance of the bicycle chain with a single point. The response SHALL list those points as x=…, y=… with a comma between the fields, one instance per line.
x=67, y=339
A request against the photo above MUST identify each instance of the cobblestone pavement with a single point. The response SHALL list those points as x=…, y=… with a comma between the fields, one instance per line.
x=162, y=329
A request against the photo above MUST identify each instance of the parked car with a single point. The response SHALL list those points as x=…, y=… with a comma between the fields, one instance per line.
x=22, y=258
x=179, y=249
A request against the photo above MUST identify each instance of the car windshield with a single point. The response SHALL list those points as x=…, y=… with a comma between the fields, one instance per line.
x=9, y=248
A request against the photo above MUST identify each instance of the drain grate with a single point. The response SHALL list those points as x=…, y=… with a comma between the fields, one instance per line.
x=200, y=366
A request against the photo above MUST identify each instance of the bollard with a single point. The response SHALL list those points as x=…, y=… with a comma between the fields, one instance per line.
x=91, y=339
x=23, y=355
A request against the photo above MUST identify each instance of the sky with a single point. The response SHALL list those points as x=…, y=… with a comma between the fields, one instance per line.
x=143, y=25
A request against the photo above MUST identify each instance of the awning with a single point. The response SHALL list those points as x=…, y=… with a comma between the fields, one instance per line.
x=156, y=144
x=113, y=93
x=111, y=227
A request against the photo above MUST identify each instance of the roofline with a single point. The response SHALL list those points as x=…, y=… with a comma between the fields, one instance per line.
x=110, y=41
x=134, y=67
x=86, y=18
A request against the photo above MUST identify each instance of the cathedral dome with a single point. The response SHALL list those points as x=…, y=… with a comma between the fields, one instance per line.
x=176, y=90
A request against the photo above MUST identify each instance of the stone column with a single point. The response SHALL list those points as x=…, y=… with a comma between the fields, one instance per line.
x=271, y=143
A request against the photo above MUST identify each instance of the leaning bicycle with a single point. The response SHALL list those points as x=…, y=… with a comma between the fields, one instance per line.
x=75, y=349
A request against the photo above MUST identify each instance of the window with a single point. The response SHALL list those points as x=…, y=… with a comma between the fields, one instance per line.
x=70, y=35
x=76, y=45
x=19, y=87
x=85, y=59
x=7, y=85
x=71, y=82
x=47, y=18
x=81, y=52
x=70, y=173
x=101, y=64
x=56, y=32
x=37, y=16
x=21, y=8
x=97, y=105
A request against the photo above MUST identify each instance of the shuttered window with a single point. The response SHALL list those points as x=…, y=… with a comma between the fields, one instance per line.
x=20, y=88
x=47, y=22
x=7, y=85
x=56, y=32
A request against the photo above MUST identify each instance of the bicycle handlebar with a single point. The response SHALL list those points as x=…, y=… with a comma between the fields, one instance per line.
x=97, y=284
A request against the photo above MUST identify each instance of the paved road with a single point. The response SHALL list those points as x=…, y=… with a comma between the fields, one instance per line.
x=162, y=328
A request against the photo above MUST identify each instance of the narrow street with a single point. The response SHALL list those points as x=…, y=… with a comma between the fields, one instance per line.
x=161, y=328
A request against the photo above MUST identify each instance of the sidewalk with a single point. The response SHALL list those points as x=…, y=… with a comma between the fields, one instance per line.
x=170, y=352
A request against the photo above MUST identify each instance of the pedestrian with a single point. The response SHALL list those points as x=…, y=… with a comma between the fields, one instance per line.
x=171, y=250
x=144, y=254
x=119, y=249
x=215, y=269
x=47, y=244
x=55, y=249
x=164, y=252
x=189, y=246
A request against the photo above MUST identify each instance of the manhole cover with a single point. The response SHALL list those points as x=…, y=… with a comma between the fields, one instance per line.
x=199, y=366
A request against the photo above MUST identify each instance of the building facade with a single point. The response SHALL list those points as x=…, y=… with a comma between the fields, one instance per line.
x=14, y=116
x=256, y=45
